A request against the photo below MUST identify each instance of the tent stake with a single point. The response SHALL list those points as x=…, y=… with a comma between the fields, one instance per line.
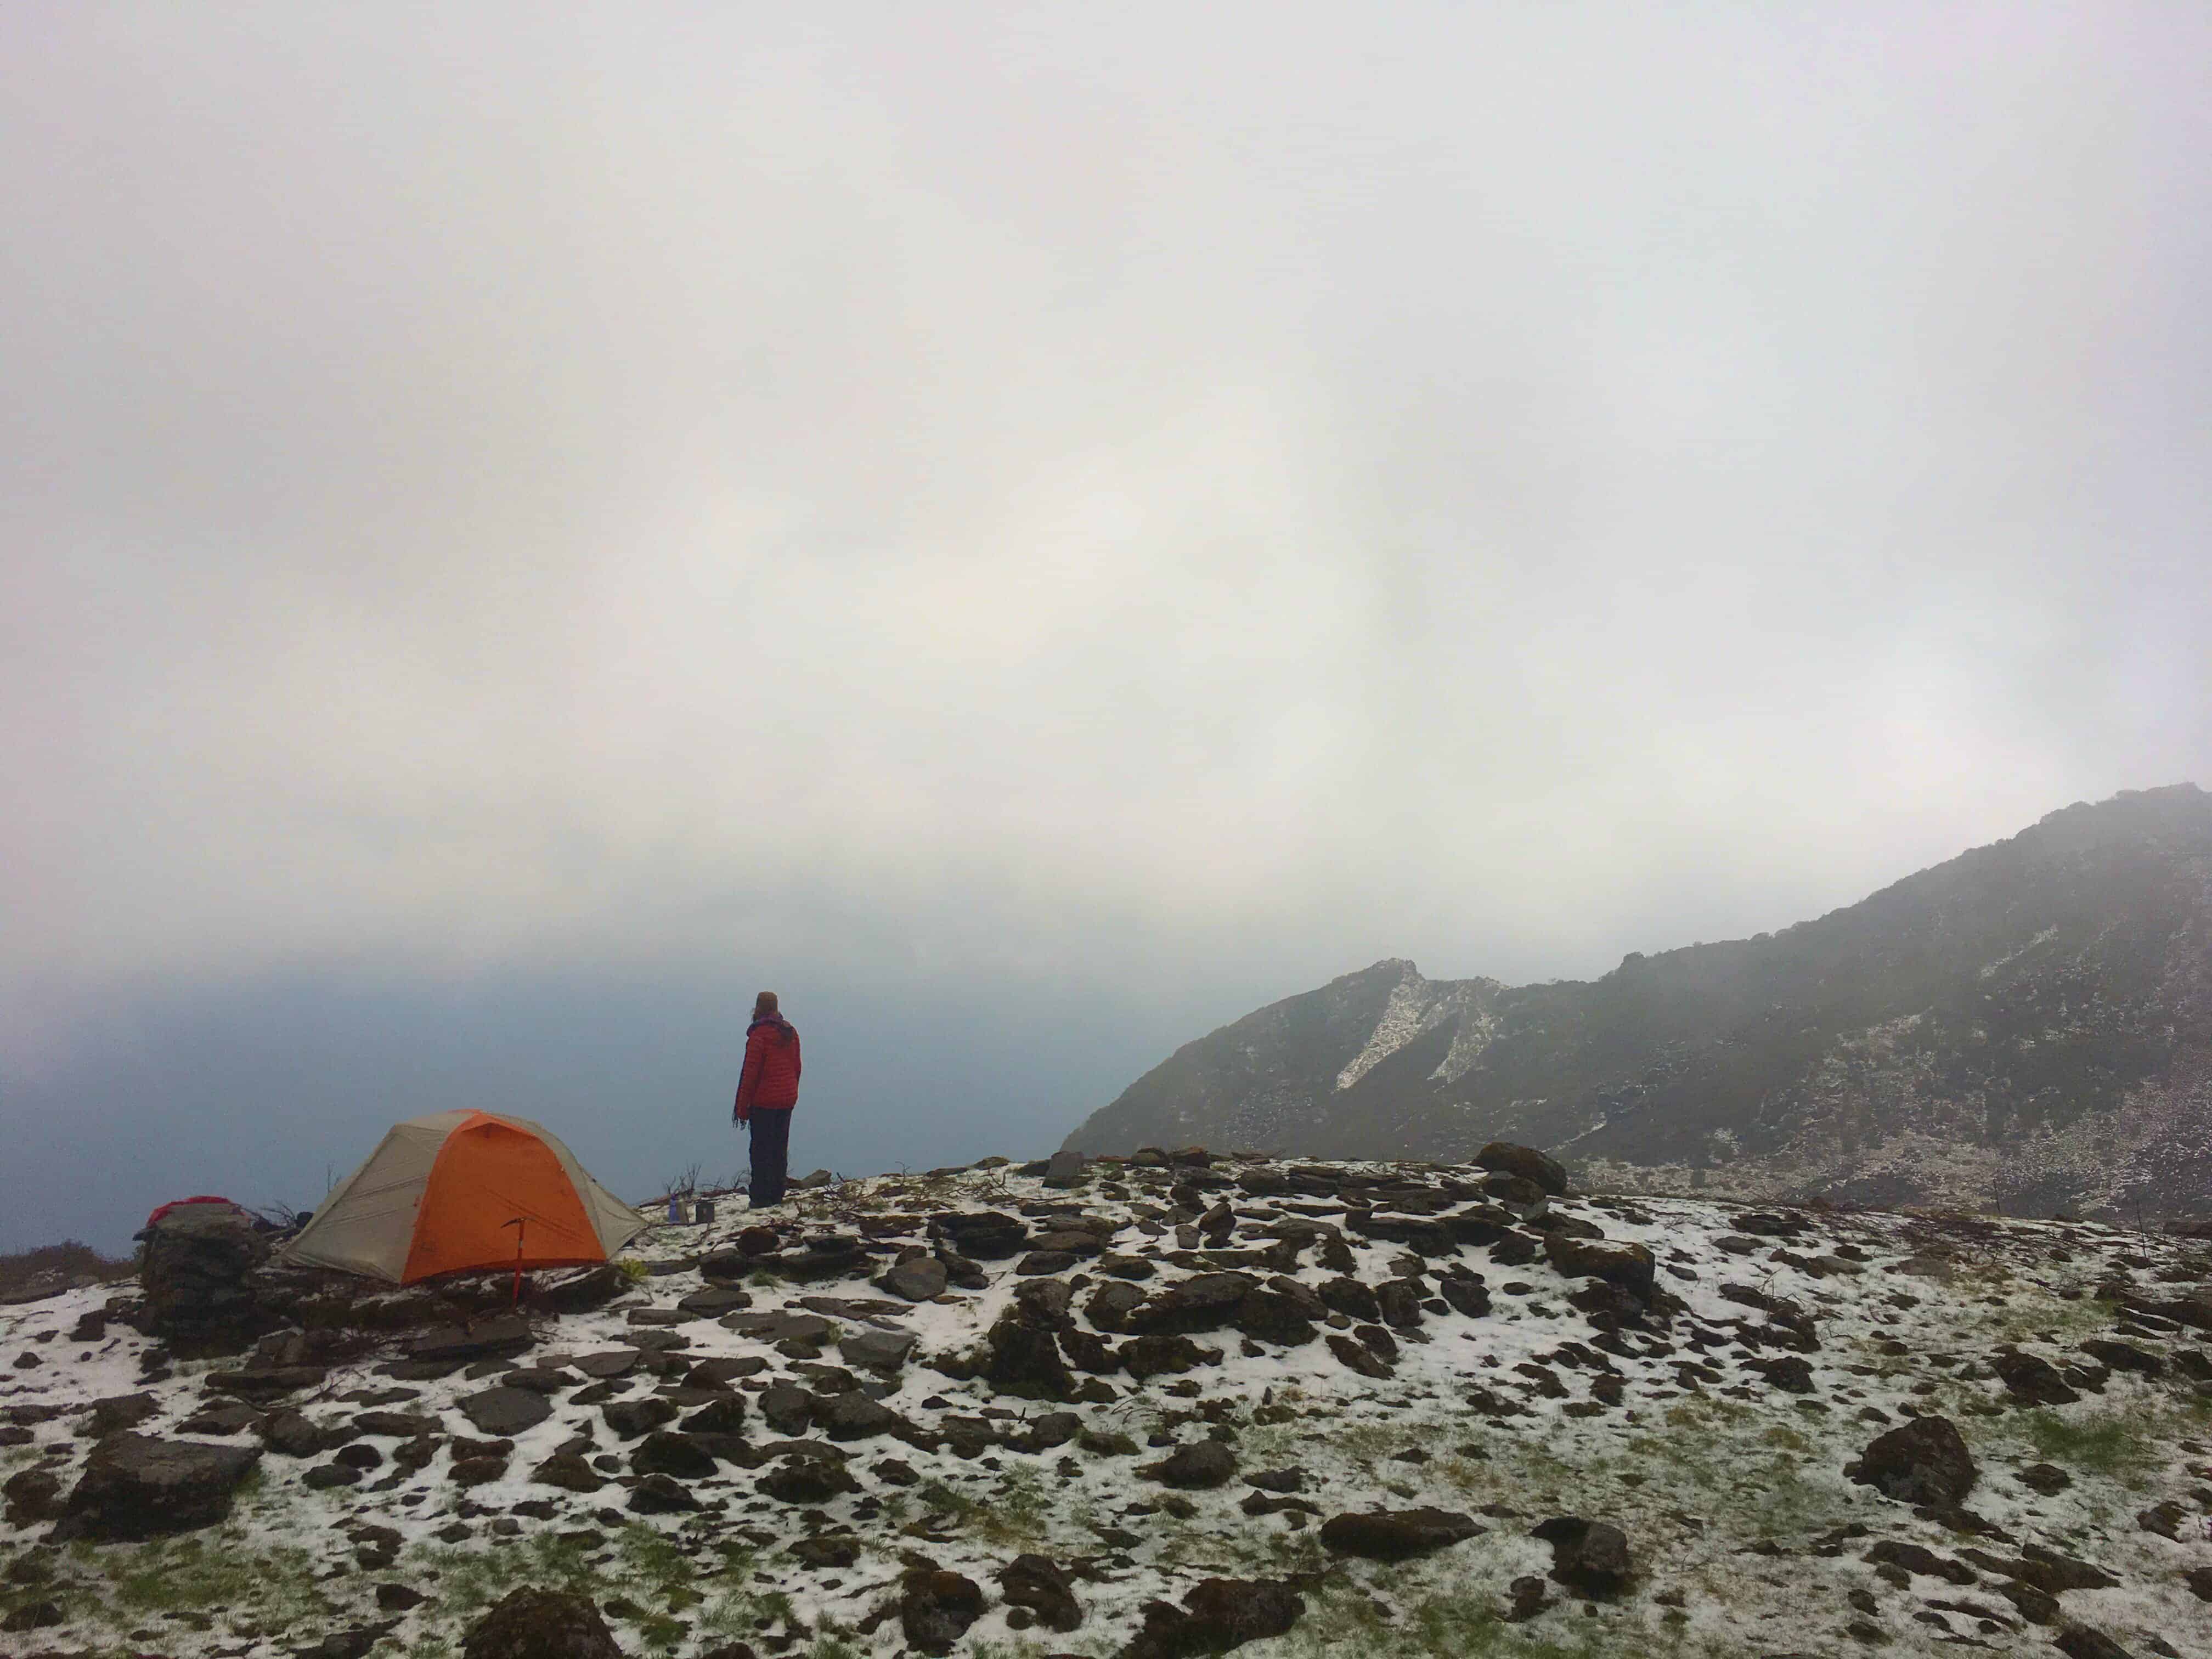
x=515, y=1299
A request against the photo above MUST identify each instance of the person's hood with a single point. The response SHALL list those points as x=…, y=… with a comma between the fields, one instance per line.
x=789, y=1030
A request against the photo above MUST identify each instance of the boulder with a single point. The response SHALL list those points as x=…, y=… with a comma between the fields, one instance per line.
x=662, y=1494
x=918, y=1279
x=788, y=1408
x=394, y=1426
x=827, y=1549
x=1358, y=1355
x=1204, y=1302
x=608, y=1363
x=1154, y=1356
x=1591, y=1556
x=197, y=1279
x=714, y=1301
x=1196, y=1468
x=1217, y=1615
x=1526, y=1162
x=2125, y=1356
x=935, y=1608
x=876, y=1349
x=1920, y=1559
x=1111, y=1304
x=1026, y=1359
x=853, y=1415
x=1351, y=1298
x=666, y=1451
x=1629, y=1266
x=486, y=1339
x=499, y=1411
x=1045, y=1433
x=630, y=1419
x=718, y=1373
x=1399, y=1299
x=1466, y=1293
x=593, y=1289
x=986, y=1234
x=266, y=1385
x=294, y=1434
x=2031, y=1379
x=1923, y=1462
x=1034, y=1582
x=1791, y=1373
x=568, y=1471
x=1397, y=1534
x=119, y=1412
x=1271, y=1316
x=723, y=1415
x=137, y=1487
x=1065, y=1170
x=32, y=1496
x=818, y=1258
x=540, y=1624
x=2048, y=1479
x=2085, y=1641
x=224, y=1417
x=807, y=1481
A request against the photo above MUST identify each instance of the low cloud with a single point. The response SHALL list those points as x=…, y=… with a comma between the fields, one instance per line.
x=1101, y=499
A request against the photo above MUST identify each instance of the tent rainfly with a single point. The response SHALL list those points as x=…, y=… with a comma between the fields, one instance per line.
x=462, y=1190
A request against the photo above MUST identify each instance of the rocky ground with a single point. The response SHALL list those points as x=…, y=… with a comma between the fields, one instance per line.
x=1145, y=1409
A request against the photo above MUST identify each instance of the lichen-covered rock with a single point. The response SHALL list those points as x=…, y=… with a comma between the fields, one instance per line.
x=1629, y=1266
x=1923, y=1462
x=198, y=1281
x=1201, y=1465
x=1397, y=1534
x=1217, y=1615
x=541, y=1624
x=1526, y=1162
x=2031, y=1379
x=935, y=1608
x=1034, y=1582
x=1204, y=1302
x=1026, y=1359
x=504, y=1411
x=1591, y=1556
x=137, y=1487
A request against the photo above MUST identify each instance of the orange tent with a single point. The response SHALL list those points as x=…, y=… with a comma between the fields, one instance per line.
x=458, y=1190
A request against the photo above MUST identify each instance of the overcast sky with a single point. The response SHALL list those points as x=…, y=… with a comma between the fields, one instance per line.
x=1033, y=530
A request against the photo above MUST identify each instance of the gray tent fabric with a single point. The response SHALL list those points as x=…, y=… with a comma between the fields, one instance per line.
x=368, y=1223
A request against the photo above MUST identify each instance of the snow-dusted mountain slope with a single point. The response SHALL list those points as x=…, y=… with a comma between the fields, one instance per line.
x=1153, y=1411
x=2027, y=1026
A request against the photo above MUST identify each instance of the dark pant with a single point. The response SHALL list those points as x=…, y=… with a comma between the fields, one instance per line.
x=771, y=1134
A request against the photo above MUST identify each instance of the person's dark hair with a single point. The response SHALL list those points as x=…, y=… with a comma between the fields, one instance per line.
x=764, y=1004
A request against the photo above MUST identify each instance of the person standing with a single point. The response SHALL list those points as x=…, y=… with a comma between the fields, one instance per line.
x=768, y=1088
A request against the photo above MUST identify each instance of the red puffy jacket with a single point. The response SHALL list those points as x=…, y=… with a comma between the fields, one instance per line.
x=770, y=1078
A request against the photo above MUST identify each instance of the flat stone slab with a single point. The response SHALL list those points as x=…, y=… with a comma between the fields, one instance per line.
x=715, y=1301
x=779, y=1327
x=503, y=1410
x=879, y=1350
x=137, y=1487
x=489, y=1339
x=853, y=1307
x=918, y=1280
x=612, y=1363
x=1397, y=1534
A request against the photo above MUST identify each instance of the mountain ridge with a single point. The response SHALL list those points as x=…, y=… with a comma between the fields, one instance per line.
x=2027, y=1026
